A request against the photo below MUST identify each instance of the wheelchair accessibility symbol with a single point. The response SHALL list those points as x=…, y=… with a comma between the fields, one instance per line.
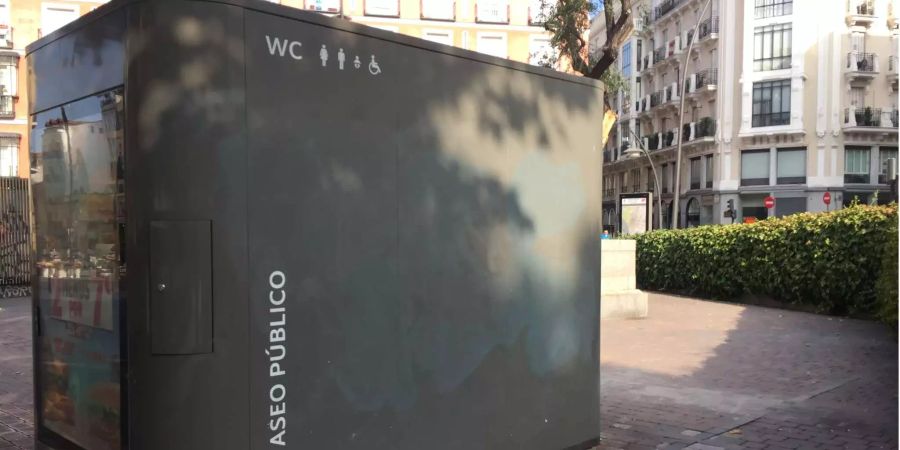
x=374, y=69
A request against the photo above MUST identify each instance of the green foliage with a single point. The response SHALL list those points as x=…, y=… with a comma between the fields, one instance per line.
x=566, y=20
x=614, y=81
x=827, y=261
x=886, y=289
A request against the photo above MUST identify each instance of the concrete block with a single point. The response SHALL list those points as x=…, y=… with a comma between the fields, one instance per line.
x=624, y=305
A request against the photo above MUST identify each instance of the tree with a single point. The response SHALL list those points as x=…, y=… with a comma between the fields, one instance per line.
x=568, y=19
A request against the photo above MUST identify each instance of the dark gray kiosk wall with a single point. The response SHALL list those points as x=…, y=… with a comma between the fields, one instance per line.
x=437, y=226
x=186, y=172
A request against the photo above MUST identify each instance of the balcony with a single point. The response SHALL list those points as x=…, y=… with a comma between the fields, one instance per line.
x=861, y=65
x=871, y=119
x=664, y=8
x=673, y=47
x=671, y=93
x=656, y=99
x=659, y=54
x=892, y=70
x=860, y=12
x=703, y=81
x=7, y=107
x=609, y=193
x=492, y=13
x=648, y=62
x=6, y=36
x=703, y=130
x=708, y=29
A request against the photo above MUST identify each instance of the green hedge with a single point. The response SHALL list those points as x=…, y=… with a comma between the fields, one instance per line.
x=830, y=262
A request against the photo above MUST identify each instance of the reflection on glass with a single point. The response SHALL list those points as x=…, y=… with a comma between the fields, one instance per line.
x=78, y=185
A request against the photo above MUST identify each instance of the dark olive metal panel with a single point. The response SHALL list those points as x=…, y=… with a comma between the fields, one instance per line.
x=84, y=62
x=428, y=231
x=181, y=297
x=186, y=160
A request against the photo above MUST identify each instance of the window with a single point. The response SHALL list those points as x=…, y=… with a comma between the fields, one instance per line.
x=791, y=166
x=636, y=180
x=88, y=249
x=383, y=8
x=622, y=186
x=771, y=103
x=439, y=9
x=329, y=6
x=651, y=180
x=626, y=60
x=4, y=12
x=857, y=96
x=884, y=154
x=754, y=168
x=54, y=16
x=856, y=165
x=493, y=44
x=440, y=36
x=9, y=156
x=695, y=173
x=665, y=178
x=639, y=51
x=540, y=52
x=8, y=79
x=391, y=28
x=772, y=47
x=710, y=171
x=538, y=10
x=773, y=8
x=693, y=213
x=492, y=11
x=7, y=107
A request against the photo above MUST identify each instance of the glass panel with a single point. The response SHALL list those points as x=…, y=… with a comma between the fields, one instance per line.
x=856, y=161
x=755, y=165
x=382, y=8
x=695, y=171
x=331, y=6
x=886, y=153
x=78, y=188
x=438, y=9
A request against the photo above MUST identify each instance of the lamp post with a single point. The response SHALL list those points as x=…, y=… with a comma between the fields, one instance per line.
x=676, y=212
x=635, y=152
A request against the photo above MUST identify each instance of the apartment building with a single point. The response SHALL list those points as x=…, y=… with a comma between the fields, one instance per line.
x=21, y=22
x=510, y=29
x=784, y=98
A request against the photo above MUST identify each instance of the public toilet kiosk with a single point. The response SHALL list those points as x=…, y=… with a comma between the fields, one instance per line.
x=263, y=228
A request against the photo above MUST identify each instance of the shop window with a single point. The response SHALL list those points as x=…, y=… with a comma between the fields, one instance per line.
x=755, y=168
x=791, y=166
x=856, y=164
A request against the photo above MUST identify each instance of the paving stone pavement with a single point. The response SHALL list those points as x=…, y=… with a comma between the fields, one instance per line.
x=707, y=375
x=694, y=375
x=16, y=410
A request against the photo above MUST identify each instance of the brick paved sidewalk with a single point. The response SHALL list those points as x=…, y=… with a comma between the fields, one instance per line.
x=699, y=375
x=707, y=375
x=16, y=413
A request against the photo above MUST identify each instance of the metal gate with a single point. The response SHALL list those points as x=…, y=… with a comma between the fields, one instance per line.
x=15, y=237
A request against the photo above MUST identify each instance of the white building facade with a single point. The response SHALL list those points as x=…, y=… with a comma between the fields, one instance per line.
x=784, y=98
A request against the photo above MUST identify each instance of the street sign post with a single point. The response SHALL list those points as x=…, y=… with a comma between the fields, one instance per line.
x=827, y=199
x=770, y=202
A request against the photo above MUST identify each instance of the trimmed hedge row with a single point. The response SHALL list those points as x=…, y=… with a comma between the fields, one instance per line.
x=828, y=261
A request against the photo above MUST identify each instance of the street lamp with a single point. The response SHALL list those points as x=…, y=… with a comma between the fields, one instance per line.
x=635, y=152
x=676, y=213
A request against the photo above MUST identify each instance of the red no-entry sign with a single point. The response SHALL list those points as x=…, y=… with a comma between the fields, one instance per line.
x=827, y=198
x=770, y=202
